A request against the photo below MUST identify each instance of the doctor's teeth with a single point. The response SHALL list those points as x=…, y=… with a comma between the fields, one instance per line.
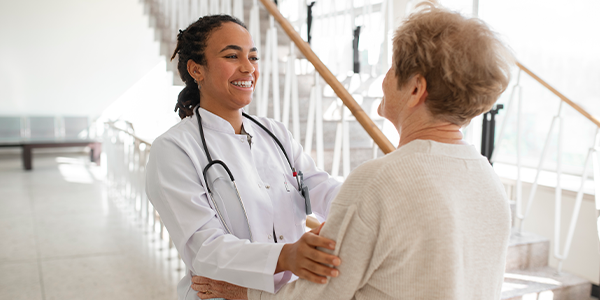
x=242, y=83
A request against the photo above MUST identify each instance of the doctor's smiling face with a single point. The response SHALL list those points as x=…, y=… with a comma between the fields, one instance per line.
x=229, y=76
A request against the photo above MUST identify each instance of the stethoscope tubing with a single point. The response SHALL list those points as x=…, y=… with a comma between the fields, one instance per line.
x=212, y=162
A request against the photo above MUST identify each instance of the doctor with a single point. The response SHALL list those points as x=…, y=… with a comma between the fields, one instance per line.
x=219, y=64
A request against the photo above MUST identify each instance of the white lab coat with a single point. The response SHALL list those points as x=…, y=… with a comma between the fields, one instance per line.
x=175, y=186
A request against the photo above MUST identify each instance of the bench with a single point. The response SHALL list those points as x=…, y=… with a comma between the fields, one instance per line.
x=30, y=132
x=27, y=146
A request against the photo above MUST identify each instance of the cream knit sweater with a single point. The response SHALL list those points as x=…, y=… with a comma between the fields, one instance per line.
x=428, y=221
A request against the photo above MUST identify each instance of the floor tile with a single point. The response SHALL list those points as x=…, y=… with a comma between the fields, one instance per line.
x=20, y=281
x=14, y=202
x=73, y=202
x=112, y=277
x=81, y=234
x=18, y=238
x=89, y=246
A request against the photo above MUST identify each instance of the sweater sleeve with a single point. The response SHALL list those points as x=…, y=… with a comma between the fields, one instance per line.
x=355, y=242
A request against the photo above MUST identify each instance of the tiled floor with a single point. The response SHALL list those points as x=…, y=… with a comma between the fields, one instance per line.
x=62, y=238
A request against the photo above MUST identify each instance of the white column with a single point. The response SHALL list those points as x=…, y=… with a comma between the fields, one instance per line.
x=214, y=7
x=194, y=11
x=295, y=104
x=203, y=7
x=310, y=122
x=337, y=148
x=346, y=141
x=287, y=90
x=263, y=105
x=254, y=27
x=225, y=7
x=319, y=120
x=238, y=9
x=558, y=192
x=275, y=70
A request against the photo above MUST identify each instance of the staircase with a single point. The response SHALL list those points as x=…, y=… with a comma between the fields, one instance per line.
x=528, y=275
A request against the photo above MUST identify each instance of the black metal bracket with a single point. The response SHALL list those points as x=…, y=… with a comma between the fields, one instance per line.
x=355, y=50
x=488, y=129
x=309, y=18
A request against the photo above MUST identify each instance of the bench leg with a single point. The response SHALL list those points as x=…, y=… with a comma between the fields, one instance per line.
x=95, y=153
x=26, y=155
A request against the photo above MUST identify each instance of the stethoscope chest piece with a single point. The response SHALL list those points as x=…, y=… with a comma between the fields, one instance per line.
x=226, y=200
x=224, y=194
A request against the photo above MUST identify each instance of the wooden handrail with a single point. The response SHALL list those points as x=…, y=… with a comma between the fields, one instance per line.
x=354, y=107
x=361, y=116
x=133, y=135
x=561, y=96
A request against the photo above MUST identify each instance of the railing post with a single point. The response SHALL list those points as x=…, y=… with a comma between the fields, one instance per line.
x=319, y=120
x=263, y=105
x=515, y=91
x=310, y=121
x=558, y=193
x=519, y=192
x=596, y=167
x=275, y=70
x=540, y=166
x=337, y=87
x=254, y=25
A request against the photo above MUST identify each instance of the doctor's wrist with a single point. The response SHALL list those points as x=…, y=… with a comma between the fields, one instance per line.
x=282, y=260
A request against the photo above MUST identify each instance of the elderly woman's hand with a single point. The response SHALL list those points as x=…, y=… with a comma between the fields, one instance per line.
x=208, y=289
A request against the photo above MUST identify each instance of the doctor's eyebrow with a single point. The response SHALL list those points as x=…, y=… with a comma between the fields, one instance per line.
x=237, y=48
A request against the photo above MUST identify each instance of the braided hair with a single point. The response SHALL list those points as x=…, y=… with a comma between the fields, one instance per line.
x=191, y=44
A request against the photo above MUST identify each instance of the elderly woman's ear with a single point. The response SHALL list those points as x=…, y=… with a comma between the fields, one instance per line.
x=418, y=88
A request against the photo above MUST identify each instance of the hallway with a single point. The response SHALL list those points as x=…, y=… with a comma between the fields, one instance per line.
x=62, y=238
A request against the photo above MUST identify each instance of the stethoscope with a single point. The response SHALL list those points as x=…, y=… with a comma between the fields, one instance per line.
x=222, y=191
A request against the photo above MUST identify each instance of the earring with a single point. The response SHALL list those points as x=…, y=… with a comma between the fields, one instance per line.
x=195, y=81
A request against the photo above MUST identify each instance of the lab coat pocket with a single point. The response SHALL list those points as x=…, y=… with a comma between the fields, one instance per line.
x=299, y=207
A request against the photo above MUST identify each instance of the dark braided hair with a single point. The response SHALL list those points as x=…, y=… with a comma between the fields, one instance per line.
x=191, y=44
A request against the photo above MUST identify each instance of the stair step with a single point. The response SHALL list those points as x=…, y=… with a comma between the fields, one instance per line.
x=544, y=283
x=527, y=251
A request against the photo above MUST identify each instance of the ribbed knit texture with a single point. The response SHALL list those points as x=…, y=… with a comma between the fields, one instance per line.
x=428, y=221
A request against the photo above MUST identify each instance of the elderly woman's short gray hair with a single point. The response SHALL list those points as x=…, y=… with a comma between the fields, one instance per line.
x=465, y=65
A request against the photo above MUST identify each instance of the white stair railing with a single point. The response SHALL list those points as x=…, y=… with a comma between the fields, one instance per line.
x=557, y=121
x=126, y=158
x=336, y=21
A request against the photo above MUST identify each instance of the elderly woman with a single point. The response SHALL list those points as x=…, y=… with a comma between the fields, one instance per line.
x=430, y=220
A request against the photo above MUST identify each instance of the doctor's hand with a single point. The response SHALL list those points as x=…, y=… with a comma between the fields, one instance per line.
x=208, y=289
x=303, y=259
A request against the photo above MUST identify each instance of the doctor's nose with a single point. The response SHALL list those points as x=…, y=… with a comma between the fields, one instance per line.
x=247, y=67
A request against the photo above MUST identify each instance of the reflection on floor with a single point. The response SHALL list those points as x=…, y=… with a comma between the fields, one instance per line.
x=62, y=238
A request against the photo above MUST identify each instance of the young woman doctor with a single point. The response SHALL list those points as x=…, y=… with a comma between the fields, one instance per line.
x=219, y=64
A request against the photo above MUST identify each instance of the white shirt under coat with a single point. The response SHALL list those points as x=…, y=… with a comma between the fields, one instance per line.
x=175, y=186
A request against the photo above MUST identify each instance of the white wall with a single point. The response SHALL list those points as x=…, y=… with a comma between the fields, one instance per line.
x=148, y=104
x=66, y=57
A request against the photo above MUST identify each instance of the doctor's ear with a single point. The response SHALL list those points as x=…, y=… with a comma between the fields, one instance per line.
x=195, y=70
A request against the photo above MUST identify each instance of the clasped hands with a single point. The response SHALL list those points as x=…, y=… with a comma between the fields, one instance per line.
x=301, y=258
